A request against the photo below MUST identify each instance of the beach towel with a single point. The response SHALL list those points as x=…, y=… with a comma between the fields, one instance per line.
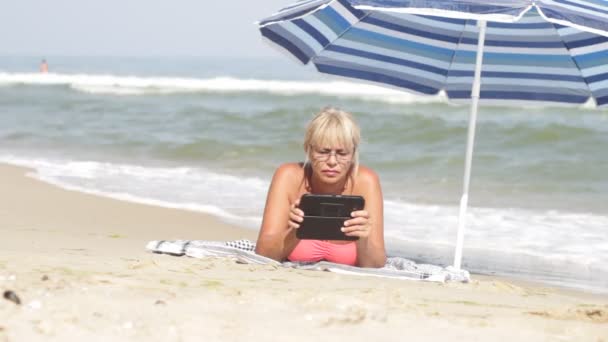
x=243, y=252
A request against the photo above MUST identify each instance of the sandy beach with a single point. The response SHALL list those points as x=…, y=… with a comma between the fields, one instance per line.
x=79, y=268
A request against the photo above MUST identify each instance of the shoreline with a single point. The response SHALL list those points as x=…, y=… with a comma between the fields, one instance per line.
x=235, y=230
x=557, y=243
x=78, y=264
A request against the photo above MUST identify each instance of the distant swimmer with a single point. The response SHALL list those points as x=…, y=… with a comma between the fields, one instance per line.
x=44, y=67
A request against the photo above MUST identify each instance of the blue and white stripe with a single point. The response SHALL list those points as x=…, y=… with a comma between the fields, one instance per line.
x=531, y=59
x=589, y=15
x=490, y=10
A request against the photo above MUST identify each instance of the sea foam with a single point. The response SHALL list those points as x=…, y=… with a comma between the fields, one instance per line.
x=132, y=85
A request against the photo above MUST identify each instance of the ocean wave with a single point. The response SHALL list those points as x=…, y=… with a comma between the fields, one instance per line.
x=135, y=85
x=182, y=187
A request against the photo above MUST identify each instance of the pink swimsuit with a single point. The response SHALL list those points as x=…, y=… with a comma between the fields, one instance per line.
x=317, y=250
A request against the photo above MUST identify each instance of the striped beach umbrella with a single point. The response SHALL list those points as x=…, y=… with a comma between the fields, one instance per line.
x=483, y=51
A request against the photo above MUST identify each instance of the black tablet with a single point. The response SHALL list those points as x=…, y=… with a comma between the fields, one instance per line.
x=324, y=215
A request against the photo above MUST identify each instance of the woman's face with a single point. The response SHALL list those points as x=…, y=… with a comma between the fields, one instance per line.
x=330, y=164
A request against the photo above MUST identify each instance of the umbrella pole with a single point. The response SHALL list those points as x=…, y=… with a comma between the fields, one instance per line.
x=464, y=200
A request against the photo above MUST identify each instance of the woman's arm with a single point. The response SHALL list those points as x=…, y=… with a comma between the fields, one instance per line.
x=368, y=224
x=277, y=238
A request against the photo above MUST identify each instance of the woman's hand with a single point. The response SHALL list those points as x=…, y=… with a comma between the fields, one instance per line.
x=296, y=215
x=360, y=225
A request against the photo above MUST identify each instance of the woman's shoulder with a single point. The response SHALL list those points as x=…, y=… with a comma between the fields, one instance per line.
x=289, y=177
x=366, y=178
x=290, y=168
x=367, y=175
x=289, y=171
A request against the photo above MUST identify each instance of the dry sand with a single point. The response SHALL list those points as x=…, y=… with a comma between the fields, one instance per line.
x=77, y=262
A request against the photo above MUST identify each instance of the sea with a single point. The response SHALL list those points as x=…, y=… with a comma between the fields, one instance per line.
x=205, y=134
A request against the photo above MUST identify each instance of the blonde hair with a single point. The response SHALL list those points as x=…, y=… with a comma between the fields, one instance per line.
x=333, y=127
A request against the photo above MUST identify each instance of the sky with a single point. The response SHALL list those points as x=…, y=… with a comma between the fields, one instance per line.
x=135, y=27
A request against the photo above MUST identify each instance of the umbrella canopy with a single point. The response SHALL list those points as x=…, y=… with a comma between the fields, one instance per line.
x=530, y=60
x=587, y=15
x=543, y=51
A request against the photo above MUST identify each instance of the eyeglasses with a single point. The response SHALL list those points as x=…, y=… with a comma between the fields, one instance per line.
x=323, y=155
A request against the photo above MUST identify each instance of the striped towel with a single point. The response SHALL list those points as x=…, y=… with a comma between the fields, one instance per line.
x=243, y=252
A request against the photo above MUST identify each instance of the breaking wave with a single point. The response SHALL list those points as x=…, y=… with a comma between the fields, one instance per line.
x=136, y=85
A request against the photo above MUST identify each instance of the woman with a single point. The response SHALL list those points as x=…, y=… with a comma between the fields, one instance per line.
x=331, y=167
